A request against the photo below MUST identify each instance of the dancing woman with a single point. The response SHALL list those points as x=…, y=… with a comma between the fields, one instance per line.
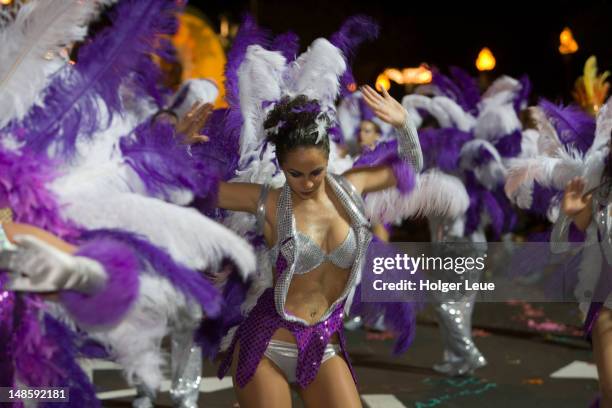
x=317, y=236
x=591, y=211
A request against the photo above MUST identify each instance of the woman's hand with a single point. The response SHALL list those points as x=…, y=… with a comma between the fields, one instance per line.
x=193, y=122
x=573, y=201
x=385, y=107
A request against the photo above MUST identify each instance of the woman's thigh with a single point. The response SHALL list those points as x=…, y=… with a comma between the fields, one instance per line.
x=267, y=388
x=332, y=387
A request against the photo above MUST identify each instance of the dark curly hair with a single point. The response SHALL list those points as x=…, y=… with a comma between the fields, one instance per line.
x=292, y=123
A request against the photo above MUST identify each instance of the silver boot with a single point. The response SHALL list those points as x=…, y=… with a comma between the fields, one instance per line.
x=461, y=356
x=186, y=366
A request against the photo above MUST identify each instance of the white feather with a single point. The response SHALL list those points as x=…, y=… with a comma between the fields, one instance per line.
x=502, y=85
x=529, y=143
x=604, y=127
x=338, y=164
x=187, y=235
x=435, y=194
x=316, y=72
x=490, y=174
x=548, y=141
x=522, y=172
x=30, y=51
x=496, y=121
x=461, y=119
x=199, y=91
x=413, y=102
x=594, y=165
x=260, y=78
x=349, y=115
x=135, y=342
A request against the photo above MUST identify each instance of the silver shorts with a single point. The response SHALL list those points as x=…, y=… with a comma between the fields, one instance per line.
x=285, y=355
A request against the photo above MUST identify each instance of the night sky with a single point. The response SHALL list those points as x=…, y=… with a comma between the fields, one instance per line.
x=523, y=35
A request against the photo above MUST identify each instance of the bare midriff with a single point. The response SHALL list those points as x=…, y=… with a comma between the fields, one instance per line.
x=310, y=296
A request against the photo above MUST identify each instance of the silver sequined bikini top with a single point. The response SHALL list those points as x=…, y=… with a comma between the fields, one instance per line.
x=310, y=255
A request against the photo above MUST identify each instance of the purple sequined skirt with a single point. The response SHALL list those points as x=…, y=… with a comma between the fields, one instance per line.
x=258, y=328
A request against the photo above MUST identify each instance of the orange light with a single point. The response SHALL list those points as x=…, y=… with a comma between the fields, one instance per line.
x=383, y=82
x=6, y=2
x=412, y=76
x=567, y=43
x=352, y=87
x=224, y=29
x=485, y=60
x=394, y=75
x=417, y=76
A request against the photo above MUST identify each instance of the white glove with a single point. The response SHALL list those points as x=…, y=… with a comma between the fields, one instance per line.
x=37, y=266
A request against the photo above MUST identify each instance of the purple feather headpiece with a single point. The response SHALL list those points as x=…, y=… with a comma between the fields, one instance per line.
x=355, y=30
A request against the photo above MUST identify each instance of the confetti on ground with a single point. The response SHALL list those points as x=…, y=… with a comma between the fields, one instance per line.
x=533, y=381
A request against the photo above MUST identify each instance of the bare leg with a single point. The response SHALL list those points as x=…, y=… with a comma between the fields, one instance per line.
x=602, y=350
x=267, y=389
x=332, y=387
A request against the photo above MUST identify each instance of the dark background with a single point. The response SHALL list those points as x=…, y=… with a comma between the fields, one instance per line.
x=523, y=35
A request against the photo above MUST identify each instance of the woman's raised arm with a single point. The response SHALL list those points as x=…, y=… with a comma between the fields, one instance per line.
x=376, y=178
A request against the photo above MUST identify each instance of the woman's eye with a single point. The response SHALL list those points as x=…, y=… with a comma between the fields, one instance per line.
x=316, y=172
x=295, y=174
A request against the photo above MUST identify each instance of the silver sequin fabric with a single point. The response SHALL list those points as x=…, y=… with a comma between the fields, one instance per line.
x=409, y=148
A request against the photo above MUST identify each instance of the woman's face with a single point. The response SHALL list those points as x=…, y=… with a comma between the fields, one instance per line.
x=305, y=168
x=368, y=135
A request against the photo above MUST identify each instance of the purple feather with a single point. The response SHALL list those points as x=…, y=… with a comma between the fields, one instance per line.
x=211, y=331
x=355, y=30
x=470, y=91
x=248, y=34
x=522, y=98
x=44, y=354
x=496, y=214
x=108, y=306
x=222, y=150
x=188, y=281
x=448, y=88
x=509, y=145
x=82, y=391
x=288, y=44
x=510, y=217
x=118, y=54
x=7, y=331
x=24, y=177
x=404, y=176
x=484, y=156
x=474, y=211
x=164, y=164
x=441, y=147
x=542, y=197
x=399, y=316
x=574, y=126
x=386, y=154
